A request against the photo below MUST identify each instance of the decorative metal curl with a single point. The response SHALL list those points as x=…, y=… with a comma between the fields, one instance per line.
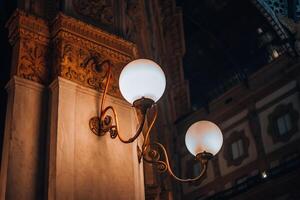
x=161, y=166
x=154, y=155
x=113, y=132
x=106, y=123
x=94, y=124
x=164, y=165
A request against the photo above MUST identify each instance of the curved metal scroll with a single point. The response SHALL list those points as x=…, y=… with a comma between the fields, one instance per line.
x=164, y=166
x=105, y=123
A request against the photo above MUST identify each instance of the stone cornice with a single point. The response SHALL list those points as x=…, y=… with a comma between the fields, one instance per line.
x=21, y=24
x=66, y=47
x=29, y=36
x=15, y=80
x=93, y=34
x=82, y=53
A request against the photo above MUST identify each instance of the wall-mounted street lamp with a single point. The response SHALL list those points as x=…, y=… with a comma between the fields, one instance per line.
x=142, y=82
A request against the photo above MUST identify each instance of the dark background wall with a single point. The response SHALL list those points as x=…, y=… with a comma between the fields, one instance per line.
x=6, y=9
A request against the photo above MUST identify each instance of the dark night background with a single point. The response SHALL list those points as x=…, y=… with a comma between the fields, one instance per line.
x=222, y=45
x=6, y=9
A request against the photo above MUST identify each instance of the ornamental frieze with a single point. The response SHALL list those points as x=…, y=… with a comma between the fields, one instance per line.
x=87, y=44
x=29, y=36
x=86, y=33
x=32, y=61
x=23, y=24
x=88, y=68
x=82, y=53
x=68, y=48
x=98, y=10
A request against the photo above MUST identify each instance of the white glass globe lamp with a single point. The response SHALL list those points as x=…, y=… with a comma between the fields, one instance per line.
x=203, y=137
x=142, y=78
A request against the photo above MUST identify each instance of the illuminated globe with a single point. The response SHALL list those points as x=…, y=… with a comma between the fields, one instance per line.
x=142, y=78
x=203, y=136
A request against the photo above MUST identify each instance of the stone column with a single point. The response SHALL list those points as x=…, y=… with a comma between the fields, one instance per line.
x=23, y=154
x=81, y=164
x=49, y=150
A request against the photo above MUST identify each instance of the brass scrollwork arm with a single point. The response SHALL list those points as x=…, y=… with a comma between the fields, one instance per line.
x=105, y=123
x=154, y=153
x=164, y=165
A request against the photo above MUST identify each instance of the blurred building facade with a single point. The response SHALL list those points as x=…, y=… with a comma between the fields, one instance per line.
x=260, y=157
x=256, y=107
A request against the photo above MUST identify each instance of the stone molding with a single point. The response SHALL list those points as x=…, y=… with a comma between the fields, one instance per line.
x=68, y=48
x=114, y=44
x=29, y=36
x=21, y=24
x=15, y=80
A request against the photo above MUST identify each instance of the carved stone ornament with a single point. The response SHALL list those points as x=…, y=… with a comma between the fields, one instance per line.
x=79, y=52
x=98, y=10
x=234, y=137
x=82, y=53
x=32, y=62
x=29, y=36
x=278, y=112
x=88, y=68
x=90, y=37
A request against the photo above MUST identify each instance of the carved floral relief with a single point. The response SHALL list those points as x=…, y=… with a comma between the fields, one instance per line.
x=88, y=68
x=32, y=64
x=28, y=36
x=68, y=48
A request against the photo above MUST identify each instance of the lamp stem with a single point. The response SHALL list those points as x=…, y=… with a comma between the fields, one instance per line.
x=140, y=129
x=138, y=132
x=114, y=129
x=146, y=143
x=108, y=75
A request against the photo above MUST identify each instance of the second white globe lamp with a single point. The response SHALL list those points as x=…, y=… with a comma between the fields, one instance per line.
x=203, y=136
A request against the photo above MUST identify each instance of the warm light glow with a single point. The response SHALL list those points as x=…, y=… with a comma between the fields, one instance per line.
x=142, y=78
x=275, y=53
x=204, y=136
x=264, y=174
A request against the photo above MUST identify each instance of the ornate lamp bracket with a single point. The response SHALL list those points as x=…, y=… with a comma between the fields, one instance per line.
x=153, y=153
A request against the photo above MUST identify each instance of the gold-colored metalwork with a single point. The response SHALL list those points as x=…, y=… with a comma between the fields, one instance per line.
x=164, y=165
x=106, y=123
